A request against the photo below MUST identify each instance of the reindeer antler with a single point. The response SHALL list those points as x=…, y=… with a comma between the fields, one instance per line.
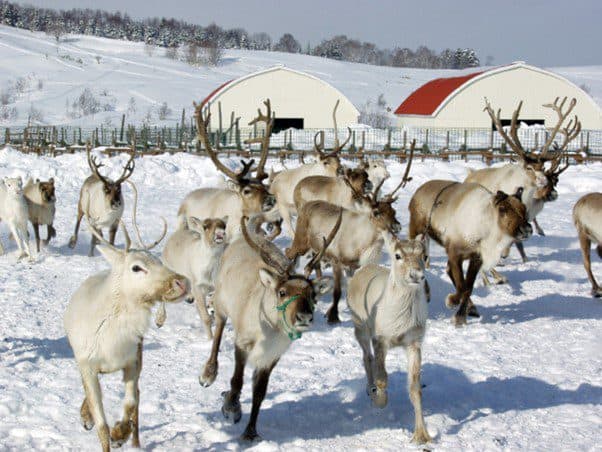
x=570, y=132
x=135, y=223
x=313, y=263
x=94, y=165
x=265, y=140
x=337, y=146
x=512, y=140
x=405, y=179
x=269, y=252
x=128, y=169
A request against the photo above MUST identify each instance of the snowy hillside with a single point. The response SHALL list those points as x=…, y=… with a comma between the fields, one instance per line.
x=526, y=376
x=124, y=78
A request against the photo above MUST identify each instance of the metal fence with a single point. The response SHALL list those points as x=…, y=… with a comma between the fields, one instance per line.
x=362, y=139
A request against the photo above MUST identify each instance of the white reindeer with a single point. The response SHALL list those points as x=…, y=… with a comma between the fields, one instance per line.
x=389, y=309
x=105, y=322
x=195, y=253
x=14, y=211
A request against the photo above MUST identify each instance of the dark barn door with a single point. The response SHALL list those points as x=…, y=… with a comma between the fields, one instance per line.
x=529, y=122
x=287, y=123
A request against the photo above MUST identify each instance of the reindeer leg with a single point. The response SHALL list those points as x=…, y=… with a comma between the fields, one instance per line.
x=210, y=370
x=73, y=239
x=36, y=233
x=287, y=220
x=261, y=377
x=586, y=244
x=333, y=312
x=113, y=232
x=201, y=306
x=51, y=233
x=363, y=338
x=123, y=429
x=136, y=413
x=538, y=228
x=93, y=243
x=498, y=278
x=94, y=402
x=161, y=315
x=231, y=406
x=454, y=270
x=421, y=434
x=379, y=393
x=471, y=275
x=521, y=250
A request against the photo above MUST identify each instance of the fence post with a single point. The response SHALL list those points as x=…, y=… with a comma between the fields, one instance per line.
x=122, y=126
x=587, y=141
x=465, y=140
x=405, y=140
x=536, y=140
x=363, y=148
x=388, y=145
x=491, y=139
x=447, y=140
x=7, y=136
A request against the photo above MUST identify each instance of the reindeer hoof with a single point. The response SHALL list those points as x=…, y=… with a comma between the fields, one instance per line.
x=332, y=317
x=72, y=243
x=452, y=301
x=597, y=293
x=459, y=320
x=250, y=435
x=88, y=424
x=120, y=433
x=208, y=376
x=473, y=312
x=379, y=398
x=421, y=436
x=231, y=408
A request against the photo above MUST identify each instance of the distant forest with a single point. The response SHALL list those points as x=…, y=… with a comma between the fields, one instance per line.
x=176, y=34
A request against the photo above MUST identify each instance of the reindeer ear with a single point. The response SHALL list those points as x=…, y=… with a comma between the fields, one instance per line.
x=112, y=255
x=51, y=180
x=519, y=193
x=499, y=197
x=323, y=285
x=195, y=224
x=231, y=184
x=268, y=279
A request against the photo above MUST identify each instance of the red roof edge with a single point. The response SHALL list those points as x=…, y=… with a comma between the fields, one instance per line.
x=426, y=99
x=214, y=92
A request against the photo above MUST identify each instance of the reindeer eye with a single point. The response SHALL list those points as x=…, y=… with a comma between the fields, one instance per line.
x=137, y=268
x=282, y=293
x=246, y=191
x=398, y=256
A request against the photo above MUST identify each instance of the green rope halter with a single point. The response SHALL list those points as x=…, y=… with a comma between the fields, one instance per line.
x=292, y=333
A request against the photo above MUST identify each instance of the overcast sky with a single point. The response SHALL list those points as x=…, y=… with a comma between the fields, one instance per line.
x=540, y=32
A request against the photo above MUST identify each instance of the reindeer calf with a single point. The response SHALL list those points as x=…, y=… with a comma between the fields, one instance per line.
x=41, y=202
x=13, y=210
x=389, y=309
x=195, y=253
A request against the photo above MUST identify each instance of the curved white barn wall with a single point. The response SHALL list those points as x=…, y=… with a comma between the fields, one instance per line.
x=293, y=94
x=504, y=88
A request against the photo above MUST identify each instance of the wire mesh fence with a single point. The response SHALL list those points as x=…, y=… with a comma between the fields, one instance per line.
x=361, y=139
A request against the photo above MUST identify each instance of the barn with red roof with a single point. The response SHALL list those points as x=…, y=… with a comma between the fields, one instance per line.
x=457, y=102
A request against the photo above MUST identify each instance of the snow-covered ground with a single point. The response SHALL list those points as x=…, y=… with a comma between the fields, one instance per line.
x=117, y=71
x=526, y=376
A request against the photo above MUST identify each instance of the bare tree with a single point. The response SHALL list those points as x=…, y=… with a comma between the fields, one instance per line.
x=288, y=43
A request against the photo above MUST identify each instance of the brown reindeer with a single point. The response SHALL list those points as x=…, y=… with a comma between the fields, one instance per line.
x=246, y=194
x=101, y=200
x=269, y=306
x=360, y=240
x=328, y=164
x=587, y=216
x=472, y=224
x=41, y=200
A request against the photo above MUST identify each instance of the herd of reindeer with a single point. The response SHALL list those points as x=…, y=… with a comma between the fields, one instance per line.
x=223, y=258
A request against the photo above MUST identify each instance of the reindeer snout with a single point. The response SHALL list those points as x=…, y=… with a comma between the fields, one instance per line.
x=340, y=171
x=303, y=318
x=396, y=228
x=179, y=287
x=553, y=196
x=417, y=276
x=525, y=231
x=368, y=186
x=269, y=202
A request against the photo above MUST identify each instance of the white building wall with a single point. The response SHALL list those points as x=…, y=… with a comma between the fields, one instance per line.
x=292, y=95
x=505, y=88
